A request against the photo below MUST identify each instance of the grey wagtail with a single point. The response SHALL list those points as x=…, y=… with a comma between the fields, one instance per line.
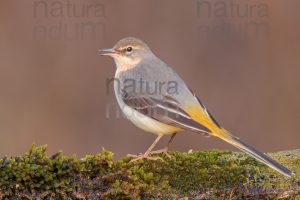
x=162, y=103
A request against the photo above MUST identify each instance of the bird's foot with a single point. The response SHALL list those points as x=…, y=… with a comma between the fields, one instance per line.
x=143, y=156
x=164, y=150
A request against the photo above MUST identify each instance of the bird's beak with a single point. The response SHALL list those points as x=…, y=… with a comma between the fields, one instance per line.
x=107, y=52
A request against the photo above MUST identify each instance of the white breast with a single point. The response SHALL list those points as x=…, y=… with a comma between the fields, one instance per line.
x=142, y=121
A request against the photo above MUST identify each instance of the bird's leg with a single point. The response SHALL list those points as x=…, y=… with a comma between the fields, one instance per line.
x=146, y=155
x=166, y=149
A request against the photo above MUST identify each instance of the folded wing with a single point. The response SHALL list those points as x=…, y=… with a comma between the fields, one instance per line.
x=164, y=109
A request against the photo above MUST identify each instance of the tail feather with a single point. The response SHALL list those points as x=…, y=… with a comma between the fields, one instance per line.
x=226, y=136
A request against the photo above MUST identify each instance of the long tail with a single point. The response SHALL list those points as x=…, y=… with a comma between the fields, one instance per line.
x=226, y=136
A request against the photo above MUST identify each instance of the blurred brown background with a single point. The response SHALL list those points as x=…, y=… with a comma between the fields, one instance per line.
x=241, y=57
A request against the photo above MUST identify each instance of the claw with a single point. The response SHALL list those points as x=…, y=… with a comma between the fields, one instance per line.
x=144, y=156
x=134, y=156
x=164, y=150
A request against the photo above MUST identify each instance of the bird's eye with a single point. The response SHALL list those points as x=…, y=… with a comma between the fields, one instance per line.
x=129, y=49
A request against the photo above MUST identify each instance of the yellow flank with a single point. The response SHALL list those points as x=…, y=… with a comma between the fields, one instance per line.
x=147, y=123
x=199, y=115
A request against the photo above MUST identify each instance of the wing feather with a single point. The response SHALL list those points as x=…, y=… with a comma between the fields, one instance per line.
x=166, y=110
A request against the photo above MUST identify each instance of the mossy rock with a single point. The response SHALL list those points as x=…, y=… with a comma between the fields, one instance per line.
x=210, y=174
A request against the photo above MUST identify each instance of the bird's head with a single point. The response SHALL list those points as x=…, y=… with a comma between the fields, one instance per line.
x=128, y=52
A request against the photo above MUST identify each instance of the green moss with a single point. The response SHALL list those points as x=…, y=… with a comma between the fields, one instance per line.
x=207, y=174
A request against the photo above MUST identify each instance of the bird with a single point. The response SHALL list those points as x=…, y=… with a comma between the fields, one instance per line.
x=156, y=99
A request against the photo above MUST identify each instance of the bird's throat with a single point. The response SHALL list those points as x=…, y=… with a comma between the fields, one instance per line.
x=124, y=64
